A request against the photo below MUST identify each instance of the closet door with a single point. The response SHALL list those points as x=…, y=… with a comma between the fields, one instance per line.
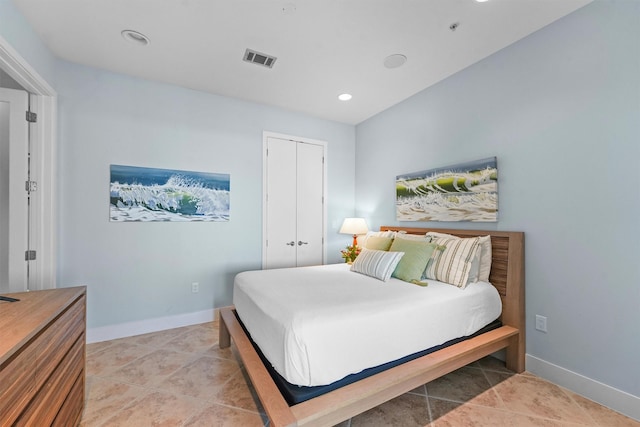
x=281, y=204
x=294, y=204
x=310, y=204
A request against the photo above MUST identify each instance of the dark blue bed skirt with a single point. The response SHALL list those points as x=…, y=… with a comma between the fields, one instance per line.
x=294, y=394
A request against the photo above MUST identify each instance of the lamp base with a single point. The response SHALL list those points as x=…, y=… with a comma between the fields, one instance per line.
x=355, y=240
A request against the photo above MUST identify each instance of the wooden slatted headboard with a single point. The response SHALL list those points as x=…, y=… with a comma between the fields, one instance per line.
x=507, y=274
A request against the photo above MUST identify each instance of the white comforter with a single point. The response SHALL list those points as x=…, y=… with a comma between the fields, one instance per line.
x=319, y=324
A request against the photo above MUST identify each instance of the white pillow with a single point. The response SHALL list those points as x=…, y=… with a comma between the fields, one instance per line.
x=378, y=264
x=362, y=240
x=453, y=264
x=485, y=254
x=378, y=243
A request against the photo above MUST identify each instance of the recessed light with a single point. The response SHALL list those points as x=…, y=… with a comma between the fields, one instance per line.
x=395, y=60
x=345, y=97
x=135, y=37
x=481, y=1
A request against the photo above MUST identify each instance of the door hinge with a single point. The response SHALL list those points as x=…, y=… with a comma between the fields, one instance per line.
x=30, y=186
x=32, y=117
x=29, y=255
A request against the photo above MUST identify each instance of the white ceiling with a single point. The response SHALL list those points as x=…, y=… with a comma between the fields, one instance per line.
x=324, y=47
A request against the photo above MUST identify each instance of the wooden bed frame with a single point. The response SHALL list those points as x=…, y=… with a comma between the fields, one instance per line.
x=507, y=275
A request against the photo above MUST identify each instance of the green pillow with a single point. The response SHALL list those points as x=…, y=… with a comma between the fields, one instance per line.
x=378, y=243
x=416, y=256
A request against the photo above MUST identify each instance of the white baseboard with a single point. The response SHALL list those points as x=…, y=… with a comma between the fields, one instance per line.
x=122, y=330
x=608, y=396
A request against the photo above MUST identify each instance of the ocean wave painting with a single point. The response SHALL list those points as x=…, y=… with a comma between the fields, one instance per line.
x=464, y=192
x=149, y=194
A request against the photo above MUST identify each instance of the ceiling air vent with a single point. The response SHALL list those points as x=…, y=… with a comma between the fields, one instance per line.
x=259, y=58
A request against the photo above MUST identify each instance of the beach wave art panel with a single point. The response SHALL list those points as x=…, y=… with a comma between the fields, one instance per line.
x=150, y=194
x=463, y=192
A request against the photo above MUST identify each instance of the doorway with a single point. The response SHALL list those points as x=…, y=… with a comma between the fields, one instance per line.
x=42, y=100
x=294, y=209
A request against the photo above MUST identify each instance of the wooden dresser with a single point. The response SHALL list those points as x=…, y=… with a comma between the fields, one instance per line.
x=42, y=358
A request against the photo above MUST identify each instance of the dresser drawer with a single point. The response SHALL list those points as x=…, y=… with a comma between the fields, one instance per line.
x=54, y=342
x=71, y=411
x=17, y=385
x=44, y=408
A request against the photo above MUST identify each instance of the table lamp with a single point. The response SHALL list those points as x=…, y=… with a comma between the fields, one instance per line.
x=354, y=226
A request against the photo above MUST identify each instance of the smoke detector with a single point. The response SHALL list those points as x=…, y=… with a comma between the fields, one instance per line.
x=259, y=58
x=395, y=60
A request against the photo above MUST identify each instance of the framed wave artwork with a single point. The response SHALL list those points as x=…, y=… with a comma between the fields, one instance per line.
x=150, y=194
x=463, y=192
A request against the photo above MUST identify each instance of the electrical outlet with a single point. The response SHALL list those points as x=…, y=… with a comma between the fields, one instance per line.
x=195, y=287
x=541, y=323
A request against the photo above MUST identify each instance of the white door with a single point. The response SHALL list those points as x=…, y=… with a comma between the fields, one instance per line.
x=14, y=213
x=310, y=208
x=281, y=204
x=294, y=203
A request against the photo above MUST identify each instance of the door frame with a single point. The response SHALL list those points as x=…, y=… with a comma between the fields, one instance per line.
x=265, y=136
x=43, y=101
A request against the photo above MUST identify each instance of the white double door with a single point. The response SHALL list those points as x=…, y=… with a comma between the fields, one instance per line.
x=294, y=219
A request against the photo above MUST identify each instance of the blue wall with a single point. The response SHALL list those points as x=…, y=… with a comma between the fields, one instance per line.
x=15, y=29
x=561, y=111
x=137, y=271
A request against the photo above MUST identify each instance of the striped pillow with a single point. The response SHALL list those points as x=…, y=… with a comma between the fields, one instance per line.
x=484, y=253
x=378, y=264
x=453, y=264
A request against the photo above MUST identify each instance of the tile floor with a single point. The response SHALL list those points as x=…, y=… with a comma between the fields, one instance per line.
x=180, y=377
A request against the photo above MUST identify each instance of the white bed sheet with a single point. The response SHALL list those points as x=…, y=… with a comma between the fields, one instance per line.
x=319, y=324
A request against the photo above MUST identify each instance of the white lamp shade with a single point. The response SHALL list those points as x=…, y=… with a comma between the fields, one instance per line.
x=354, y=226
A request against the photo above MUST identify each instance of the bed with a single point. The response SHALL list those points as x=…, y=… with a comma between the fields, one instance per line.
x=507, y=276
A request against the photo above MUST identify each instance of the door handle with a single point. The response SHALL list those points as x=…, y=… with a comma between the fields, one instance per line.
x=300, y=243
x=291, y=243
